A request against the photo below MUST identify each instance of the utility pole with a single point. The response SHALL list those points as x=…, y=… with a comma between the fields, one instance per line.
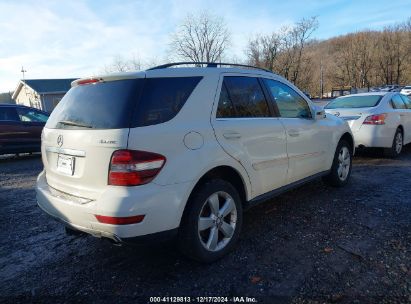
x=321, y=79
x=23, y=71
x=24, y=83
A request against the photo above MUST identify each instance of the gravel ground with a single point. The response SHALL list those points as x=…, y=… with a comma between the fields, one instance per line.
x=315, y=244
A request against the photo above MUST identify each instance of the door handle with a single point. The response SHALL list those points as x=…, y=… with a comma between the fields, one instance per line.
x=231, y=135
x=293, y=133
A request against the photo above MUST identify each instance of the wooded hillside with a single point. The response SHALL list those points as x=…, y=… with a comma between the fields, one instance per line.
x=362, y=59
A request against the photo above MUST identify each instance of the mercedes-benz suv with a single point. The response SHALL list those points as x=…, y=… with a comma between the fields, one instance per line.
x=180, y=152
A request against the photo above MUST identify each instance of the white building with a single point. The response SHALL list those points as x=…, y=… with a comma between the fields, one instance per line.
x=43, y=94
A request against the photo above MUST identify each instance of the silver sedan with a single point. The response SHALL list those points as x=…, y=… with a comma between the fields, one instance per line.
x=377, y=119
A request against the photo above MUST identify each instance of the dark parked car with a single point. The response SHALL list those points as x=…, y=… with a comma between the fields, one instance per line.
x=20, y=129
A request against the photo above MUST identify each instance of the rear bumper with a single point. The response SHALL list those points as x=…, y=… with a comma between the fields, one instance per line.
x=162, y=206
x=374, y=136
x=153, y=238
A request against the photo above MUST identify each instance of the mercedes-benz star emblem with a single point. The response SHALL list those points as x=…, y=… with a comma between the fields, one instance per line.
x=60, y=140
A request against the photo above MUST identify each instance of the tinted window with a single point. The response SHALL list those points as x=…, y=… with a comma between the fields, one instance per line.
x=110, y=105
x=163, y=98
x=355, y=101
x=407, y=101
x=106, y=105
x=8, y=113
x=225, y=105
x=245, y=95
x=397, y=102
x=290, y=104
x=30, y=115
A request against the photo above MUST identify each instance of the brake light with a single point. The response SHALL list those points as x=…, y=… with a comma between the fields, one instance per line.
x=87, y=81
x=133, y=168
x=378, y=119
x=120, y=220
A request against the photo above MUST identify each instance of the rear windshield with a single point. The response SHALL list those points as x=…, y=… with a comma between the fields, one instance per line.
x=365, y=101
x=122, y=103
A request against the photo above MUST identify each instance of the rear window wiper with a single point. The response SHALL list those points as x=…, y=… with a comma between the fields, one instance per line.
x=75, y=124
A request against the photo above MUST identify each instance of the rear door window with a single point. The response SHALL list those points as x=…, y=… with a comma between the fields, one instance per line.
x=242, y=97
x=225, y=105
x=397, y=102
x=407, y=101
x=163, y=98
x=8, y=114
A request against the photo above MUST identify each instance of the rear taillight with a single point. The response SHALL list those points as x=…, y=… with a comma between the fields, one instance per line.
x=378, y=119
x=133, y=168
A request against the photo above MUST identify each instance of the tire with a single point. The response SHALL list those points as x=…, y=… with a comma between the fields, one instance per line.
x=342, y=164
x=219, y=233
x=397, y=144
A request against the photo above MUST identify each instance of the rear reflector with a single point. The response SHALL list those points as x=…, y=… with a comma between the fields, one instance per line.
x=120, y=220
x=378, y=119
x=133, y=168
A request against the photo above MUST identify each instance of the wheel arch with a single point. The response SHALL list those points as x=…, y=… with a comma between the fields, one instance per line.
x=401, y=128
x=228, y=174
x=349, y=138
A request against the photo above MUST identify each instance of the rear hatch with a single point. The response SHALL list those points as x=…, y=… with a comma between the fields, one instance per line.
x=83, y=131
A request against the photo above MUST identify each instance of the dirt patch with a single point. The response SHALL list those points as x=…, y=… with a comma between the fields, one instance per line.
x=315, y=244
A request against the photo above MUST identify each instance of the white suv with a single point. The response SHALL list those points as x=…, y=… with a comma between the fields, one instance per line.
x=182, y=152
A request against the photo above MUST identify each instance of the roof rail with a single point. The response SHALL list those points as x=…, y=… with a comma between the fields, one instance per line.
x=209, y=65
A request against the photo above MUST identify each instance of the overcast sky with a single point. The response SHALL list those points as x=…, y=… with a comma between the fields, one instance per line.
x=63, y=39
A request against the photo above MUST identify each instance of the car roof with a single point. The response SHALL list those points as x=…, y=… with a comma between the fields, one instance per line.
x=203, y=71
x=180, y=72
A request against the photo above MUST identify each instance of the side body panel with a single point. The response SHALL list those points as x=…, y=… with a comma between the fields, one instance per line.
x=259, y=144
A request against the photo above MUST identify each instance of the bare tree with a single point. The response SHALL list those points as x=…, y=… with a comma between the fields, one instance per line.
x=264, y=50
x=121, y=64
x=118, y=64
x=300, y=34
x=201, y=38
x=134, y=63
x=393, y=54
x=283, y=51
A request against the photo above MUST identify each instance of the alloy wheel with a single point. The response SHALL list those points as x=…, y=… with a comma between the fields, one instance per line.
x=217, y=221
x=344, y=163
x=398, y=143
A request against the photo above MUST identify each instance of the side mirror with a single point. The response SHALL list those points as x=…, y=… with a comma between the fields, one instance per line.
x=319, y=112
